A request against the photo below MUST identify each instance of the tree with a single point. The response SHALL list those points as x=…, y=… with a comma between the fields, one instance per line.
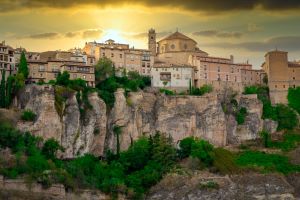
x=117, y=131
x=23, y=67
x=63, y=79
x=9, y=90
x=287, y=118
x=103, y=69
x=186, y=147
x=2, y=90
x=50, y=148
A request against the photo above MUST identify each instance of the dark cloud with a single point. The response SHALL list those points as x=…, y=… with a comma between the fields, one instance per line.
x=43, y=36
x=287, y=43
x=195, y=5
x=221, y=34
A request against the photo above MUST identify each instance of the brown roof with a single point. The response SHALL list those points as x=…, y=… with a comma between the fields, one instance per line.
x=294, y=64
x=178, y=35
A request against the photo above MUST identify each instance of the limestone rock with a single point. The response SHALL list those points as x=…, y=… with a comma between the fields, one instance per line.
x=270, y=125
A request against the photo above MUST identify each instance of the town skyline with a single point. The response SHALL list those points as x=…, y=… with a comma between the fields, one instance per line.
x=245, y=31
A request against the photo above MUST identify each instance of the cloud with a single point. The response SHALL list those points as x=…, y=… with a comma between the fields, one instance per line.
x=195, y=5
x=252, y=27
x=220, y=34
x=92, y=34
x=43, y=36
x=286, y=43
x=72, y=34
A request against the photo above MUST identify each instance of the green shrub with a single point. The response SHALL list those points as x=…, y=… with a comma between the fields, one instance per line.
x=289, y=142
x=286, y=117
x=185, y=147
x=266, y=137
x=294, y=98
x=202, y=90
x=166, y=92
x=28, y=115
x=241, y=115
x=250, y=89
x=203, y=150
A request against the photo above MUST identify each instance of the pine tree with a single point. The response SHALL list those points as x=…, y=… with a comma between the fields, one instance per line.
x=23, y=68
x=2, y=90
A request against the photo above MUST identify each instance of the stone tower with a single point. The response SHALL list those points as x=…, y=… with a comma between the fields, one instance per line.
x=152, y=41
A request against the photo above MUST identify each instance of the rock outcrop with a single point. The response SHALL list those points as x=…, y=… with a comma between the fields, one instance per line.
x=138, y=114
x=253, y=124
x=77, y=133
x=208, y=186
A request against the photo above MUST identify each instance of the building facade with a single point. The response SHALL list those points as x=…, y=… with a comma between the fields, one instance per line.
x=175, y=77
x=179, y=50
x=281, y=74
x=7, y=60
x=124, y=58
x=52, y=63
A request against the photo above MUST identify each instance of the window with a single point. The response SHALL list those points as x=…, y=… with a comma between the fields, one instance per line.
x=235, y=78
x=283, y=86
x=275, y=86
x=185, y=46
x=74, y=75
x=84, y=77
x=173, y=46
x=293, y=78
x=41, y=68
x=112, y=55
x=226, y=77
x=218, y=69
x=121, y=55
x=205, y=75
x=219, y=77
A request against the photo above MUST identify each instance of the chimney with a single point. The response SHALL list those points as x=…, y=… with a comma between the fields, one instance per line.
x=231, y=58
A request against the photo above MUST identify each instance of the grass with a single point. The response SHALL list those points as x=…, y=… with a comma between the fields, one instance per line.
x=28, y=115
x=266, y=162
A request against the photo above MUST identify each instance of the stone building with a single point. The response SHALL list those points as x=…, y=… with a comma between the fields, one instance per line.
x=50, y=63
x=282, y=74
x=7, y=60
x=178, y=49
x=123, y=57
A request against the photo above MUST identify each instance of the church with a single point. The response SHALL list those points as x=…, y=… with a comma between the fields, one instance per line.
x=175, y=56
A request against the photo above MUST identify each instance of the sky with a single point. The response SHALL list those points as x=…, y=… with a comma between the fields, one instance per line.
x=246, y=29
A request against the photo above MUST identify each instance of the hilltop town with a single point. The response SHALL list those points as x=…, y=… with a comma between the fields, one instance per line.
x=175, y=62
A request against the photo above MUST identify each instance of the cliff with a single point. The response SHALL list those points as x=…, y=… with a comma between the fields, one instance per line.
x=140, y=113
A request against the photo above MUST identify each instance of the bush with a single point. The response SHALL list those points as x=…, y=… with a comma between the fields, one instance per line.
x=250, y=90
x=203, y=150
x=294, y=98
x=28, y=115
x=241, y=115
x=286, y=117
x=185, y=147
x=202, y=90
x=166, y=92
x=289, y=142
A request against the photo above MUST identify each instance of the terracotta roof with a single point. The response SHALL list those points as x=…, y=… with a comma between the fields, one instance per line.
x=178, y=35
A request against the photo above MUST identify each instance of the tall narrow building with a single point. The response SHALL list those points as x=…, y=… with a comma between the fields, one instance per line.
x=152, y=41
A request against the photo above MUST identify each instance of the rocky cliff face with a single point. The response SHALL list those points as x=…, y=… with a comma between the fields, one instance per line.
x=77, y=135
x=141, y=113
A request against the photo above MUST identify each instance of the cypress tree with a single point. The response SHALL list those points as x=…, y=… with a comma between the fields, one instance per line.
x=23, y=68
x=9, y=90
x=2, y=90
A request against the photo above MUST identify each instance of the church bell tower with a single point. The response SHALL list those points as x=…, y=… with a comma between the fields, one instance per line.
x=152, y=41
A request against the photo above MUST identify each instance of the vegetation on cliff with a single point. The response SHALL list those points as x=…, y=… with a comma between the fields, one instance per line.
x=284, y=115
